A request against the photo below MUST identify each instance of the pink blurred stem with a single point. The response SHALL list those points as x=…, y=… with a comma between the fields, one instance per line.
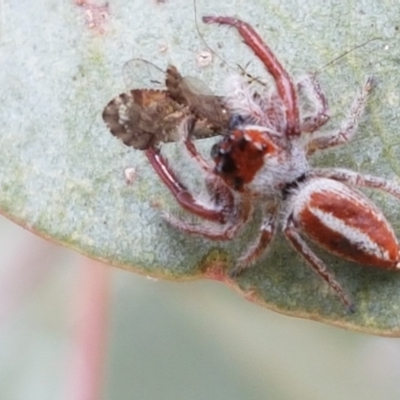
x=89, y=332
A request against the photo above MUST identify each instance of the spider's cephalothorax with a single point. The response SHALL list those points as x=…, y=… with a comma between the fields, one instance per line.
x=264, y=162
x=254, y=161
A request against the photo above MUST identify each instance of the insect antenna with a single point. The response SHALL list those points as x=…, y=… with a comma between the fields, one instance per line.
x=205, y=42
x=344, y=54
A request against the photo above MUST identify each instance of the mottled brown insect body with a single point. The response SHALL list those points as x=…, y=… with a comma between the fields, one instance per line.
x=144, y=118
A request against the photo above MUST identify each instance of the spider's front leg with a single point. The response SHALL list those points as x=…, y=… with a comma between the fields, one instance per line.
x=185, y=129
x=218, y=206
x=286, y=88
x=219, y=210
x=181, y=193
x=349, y=126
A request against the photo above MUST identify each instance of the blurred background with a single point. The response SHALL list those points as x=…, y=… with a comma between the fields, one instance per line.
x=74, y=329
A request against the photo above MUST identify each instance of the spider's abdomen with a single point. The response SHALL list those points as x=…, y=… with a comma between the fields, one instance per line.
x=345, y=223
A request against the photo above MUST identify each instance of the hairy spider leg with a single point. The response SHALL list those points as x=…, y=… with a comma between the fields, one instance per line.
x=181, y=193
x=356, y=179
x=291, y=234
x=226, y=231
x=286, y=88
x=349, y=126
x=315, y=94
x=262, y=242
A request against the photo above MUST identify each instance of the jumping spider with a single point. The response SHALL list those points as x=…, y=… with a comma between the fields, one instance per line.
x=264, y=163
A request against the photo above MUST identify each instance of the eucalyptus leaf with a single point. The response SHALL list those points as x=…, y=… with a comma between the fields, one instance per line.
x=62, y=172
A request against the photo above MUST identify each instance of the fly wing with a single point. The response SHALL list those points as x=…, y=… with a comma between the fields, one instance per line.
x=142, y=74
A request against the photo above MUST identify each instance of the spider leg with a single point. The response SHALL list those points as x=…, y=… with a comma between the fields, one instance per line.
x=314, y=94
x=184, y=130
x=349, y=126
x=286, y=88
x=219, y=192
x=260, y=246
x=227, y=232
x=356, y=179
x=221, y=196
x=291, y=234
x=181, y=193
